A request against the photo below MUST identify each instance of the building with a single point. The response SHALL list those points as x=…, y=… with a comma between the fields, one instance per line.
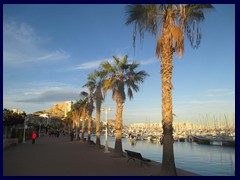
x=154, y=126
x=17, y=111
x=44, y=115
x=68, y=107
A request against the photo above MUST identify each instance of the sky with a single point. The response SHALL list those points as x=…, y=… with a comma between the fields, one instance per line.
x=48, y=51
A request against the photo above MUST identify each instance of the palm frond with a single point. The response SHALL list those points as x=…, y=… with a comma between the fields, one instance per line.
x=106, y=67
x=192, y=8
x=130, y=93
x=159, y=47
x=195, y=15
x=178, y=40
x=144, y=18
x=116, y=61
x=140, y=76
x=83, y=95
x=124, y=63
x=133, y=66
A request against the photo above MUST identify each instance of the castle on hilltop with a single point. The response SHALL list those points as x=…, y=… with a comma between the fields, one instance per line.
x=58, y=110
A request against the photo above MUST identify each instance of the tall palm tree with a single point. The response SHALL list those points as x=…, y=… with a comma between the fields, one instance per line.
x=95, y=82
x=121, y=74
x=89, y=108
x=172, y=21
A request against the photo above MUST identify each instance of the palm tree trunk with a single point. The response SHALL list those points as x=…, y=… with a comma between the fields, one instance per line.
x=98, y=110
x=118, y=130
x=168, y=164
x=89, y=128
x=83, y=128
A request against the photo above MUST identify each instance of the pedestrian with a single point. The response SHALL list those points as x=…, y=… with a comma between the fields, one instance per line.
x=57, y=133
x=79, y=135
x=34, y=136
x=72, y=135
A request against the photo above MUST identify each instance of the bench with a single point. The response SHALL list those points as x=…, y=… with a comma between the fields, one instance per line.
x=135, y=155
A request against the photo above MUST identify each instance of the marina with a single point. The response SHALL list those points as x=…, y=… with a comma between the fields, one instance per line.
x=205, y=160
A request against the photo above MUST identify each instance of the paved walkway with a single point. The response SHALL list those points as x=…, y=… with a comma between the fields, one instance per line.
x=52, y=156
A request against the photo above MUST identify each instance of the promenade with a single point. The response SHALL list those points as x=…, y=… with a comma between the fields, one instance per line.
x=52, y=156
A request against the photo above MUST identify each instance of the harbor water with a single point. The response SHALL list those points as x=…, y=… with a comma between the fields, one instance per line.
x=205, y=160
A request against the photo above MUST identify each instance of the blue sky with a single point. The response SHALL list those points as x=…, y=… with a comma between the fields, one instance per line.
x=48, y=51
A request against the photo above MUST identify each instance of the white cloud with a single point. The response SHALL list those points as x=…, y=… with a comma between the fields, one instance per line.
x=31, y=93
x=88, y=65
x=95, y=63
x=208, y=102
x=22, y=44
x=58, y=54
x=53, y=96
x=148, y=61
x=41, y=93
x=91, y=65
x=219, y=92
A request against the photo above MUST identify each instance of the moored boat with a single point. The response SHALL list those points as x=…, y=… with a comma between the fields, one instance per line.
x=201, y=140
x=181, y=139
x=216, y=142
x=228, y=143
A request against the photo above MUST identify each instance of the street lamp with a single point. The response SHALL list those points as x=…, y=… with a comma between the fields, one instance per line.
x=79, y=130
x=106, y=135
x=24, y=128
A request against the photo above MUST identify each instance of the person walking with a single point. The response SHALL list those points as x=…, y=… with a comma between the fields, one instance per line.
x=71, y=135
x=34, y=136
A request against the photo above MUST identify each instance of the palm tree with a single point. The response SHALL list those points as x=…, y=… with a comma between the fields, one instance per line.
x=95, y=82
x=89, y=108
x=120, y=75
x=69, y=121
x=81, y=108
x=83, y=105
x=175, y=20
x=78, y=110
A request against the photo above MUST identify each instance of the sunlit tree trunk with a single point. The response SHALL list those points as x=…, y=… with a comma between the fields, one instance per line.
x=118, y=130
x=83, y=124
x=90, y=123
x=89, y=129
x=98, y=111
x=168, y=164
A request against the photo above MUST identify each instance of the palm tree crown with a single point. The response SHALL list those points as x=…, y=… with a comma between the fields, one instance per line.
x=177, y=18
x=121, y=74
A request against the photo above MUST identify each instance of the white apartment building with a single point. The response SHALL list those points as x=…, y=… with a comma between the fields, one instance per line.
x=68, y=106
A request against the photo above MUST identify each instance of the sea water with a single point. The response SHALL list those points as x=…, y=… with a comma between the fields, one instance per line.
x=205, y=160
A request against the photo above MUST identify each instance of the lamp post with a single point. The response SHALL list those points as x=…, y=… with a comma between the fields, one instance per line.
x=106, y=135
x=80, y=121
x=24, y=129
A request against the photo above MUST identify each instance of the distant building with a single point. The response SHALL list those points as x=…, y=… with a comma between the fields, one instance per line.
x=17, y=111
x=176, y=125
x=68, y=106
x=44, y=115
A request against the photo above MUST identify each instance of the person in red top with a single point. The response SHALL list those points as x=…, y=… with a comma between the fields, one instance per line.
x=34, y=136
